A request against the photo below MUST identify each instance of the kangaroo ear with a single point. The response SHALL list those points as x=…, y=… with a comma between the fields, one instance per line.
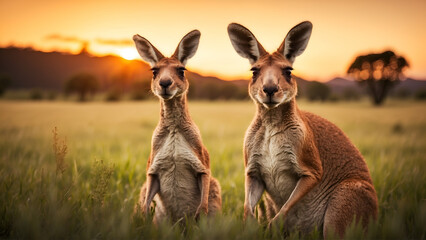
x=187, y=46
x=296, y=41
x=147, y=51
x=245, y=43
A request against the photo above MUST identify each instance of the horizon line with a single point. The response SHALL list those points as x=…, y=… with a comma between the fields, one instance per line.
x=193, y=70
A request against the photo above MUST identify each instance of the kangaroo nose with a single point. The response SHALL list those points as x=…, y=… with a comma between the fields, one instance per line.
x=165, y=83
x=270, y=90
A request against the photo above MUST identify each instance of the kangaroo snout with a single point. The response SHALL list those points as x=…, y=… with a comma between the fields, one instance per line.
x=270, y=90
x=165, y=83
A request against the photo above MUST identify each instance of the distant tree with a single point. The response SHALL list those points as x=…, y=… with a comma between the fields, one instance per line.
x=210, y=91
x=82, y=84
x=379, y=72
x=4, y=83
x=228, y=91
x=350, y=94
x=36, y=94
x=140, y=89
x=113, y=95
x=241, y=94
x=333, y=97
x=402, y=93
x=420, y=94
x=52, y=95
x=317, y=91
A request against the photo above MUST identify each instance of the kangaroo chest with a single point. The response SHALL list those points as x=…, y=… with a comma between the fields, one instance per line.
x=176, y=166
x=275, y=158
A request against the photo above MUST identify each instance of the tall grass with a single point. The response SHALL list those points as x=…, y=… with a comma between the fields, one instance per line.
x=86, y=187
x=60, y=150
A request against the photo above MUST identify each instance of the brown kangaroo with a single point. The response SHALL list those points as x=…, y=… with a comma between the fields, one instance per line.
x=312, y=174
x=178, y=167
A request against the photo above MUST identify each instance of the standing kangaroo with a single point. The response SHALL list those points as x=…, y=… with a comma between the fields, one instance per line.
x=312, y=174
x=178, y=169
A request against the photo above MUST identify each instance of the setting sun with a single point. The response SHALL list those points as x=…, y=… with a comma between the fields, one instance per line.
x=128, y=53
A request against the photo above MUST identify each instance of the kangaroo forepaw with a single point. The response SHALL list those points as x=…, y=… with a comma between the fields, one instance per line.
x=201, y=211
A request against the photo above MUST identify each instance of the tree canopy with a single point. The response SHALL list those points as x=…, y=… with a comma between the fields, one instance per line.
x=317, y=91
x=379, y=71
x=82, y=83
x=4, y=83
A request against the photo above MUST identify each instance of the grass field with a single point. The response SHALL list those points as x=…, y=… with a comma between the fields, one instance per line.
x=89, y=189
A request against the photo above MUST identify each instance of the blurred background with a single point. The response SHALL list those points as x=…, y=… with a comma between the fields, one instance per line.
x=82, y=50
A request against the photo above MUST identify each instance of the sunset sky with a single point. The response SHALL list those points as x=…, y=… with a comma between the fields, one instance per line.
x=342, y=30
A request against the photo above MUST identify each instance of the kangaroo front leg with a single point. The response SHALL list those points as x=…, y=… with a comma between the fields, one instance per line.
x=311, y=175
x=152, y=188
x=254, y=188
x=303, y=186
x=204, y=185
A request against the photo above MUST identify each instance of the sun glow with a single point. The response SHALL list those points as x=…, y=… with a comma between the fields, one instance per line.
x=128, y=53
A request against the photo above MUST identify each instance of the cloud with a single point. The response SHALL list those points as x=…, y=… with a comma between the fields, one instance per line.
x=58, y=37
x=115, y=42
x=102, y=41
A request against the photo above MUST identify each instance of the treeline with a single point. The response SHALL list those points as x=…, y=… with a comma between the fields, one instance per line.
x=86, y=87
x=317, y=91
x=84, y=77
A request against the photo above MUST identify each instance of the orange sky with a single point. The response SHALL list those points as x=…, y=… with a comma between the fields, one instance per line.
x=342, y=29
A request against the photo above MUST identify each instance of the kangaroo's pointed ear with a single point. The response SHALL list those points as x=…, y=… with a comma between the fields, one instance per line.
x=296, y=41
x=245, y=43
x=147, y=51
x=187, y=46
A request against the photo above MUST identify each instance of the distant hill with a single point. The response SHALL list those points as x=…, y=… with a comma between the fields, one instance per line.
x=209, y=87
x=30, y=69
x=411, y=85
x=338, y=84
x=302, y=84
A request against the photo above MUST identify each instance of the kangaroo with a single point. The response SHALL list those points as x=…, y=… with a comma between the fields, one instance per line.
x=312, y=174
x=178, y=170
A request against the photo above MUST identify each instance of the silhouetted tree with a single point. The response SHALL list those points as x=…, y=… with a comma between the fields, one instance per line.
x=317, y=91
x=350, y=94
x=402, y=93
x=120, y=83
x=83, y=84
x=380, y=72
x=4, y=83
x=36, y=94
x=113, y=95
x=420, y=94
x=140, y=89
x=120, y=80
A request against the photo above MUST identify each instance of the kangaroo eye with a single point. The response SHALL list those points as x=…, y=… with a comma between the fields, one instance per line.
x=255, y=71
x=181, y=72
x=155, y=72
x=287, y=73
